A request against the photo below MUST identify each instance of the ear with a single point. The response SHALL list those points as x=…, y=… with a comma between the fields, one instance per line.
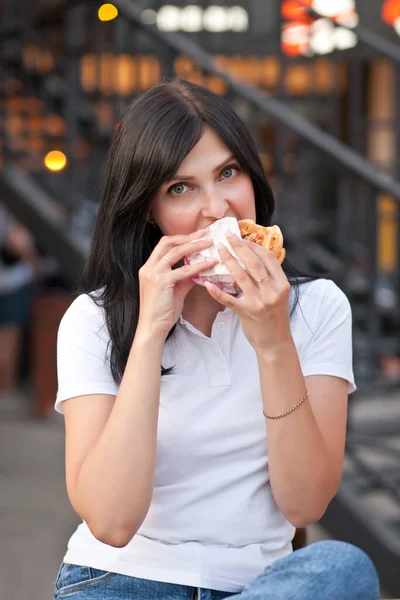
x=152, y=222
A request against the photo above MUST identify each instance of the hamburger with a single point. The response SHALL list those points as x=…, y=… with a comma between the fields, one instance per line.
x=268, y=237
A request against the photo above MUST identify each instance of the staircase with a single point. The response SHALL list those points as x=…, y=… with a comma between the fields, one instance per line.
x=66, y=80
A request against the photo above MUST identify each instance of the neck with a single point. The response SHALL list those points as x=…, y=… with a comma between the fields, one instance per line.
x=200, y=309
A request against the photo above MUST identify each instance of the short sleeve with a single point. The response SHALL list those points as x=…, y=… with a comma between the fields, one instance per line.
x=329, y=351
x=82, y=352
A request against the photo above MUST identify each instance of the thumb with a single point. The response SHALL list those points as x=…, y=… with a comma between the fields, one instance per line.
x=184, y=287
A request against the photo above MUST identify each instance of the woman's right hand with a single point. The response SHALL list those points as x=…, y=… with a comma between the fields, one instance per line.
x=164, y=289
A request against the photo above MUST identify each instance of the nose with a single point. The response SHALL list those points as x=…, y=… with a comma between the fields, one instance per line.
x=215, y=205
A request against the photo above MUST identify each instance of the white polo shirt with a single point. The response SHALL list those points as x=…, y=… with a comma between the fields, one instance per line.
x=213, y=522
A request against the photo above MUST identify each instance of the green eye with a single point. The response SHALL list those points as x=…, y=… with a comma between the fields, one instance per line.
x=177, y=189
x=229, y=172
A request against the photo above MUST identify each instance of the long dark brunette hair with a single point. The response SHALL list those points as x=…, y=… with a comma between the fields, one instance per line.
x=156, y=133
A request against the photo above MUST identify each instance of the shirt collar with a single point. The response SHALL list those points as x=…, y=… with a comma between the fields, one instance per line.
x=226, y=312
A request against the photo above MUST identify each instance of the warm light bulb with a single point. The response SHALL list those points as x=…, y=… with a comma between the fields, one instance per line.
x=168, y=18
x=239, y=18
x=216, y=19
x=191, y=19
x=327, y=8
x=345, y=39
x=107, y=12
x=55, y=160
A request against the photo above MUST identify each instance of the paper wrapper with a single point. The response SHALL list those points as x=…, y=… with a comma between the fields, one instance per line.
x=219, y=274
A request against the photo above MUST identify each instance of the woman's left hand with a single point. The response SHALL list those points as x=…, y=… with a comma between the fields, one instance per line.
x=264, y=307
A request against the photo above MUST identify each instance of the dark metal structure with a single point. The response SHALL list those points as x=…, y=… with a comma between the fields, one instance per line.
x=66, y=79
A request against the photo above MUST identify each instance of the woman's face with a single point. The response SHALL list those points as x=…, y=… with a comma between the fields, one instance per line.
x=208, y=186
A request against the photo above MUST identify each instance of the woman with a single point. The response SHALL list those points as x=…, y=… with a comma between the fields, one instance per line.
x=20, y=272
x=179, y=493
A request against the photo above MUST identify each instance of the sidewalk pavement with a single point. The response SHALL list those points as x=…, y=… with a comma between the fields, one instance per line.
x=36, y=518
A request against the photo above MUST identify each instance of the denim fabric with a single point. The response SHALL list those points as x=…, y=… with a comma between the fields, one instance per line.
x=15, y=308
x=327, y=570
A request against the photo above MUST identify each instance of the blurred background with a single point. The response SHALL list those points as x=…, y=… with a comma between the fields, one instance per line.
x=318, y=84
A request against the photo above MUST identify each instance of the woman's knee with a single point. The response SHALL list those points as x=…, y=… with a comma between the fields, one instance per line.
x=350, y=565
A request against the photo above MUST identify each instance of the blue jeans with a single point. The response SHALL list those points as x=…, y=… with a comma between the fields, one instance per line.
x=327, y=570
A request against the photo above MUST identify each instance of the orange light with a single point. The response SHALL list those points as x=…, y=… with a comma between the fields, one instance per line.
x=296, y=27
x=55, y=160
x=107, y=12
x=292, y=49
x=295, y=38
x=292, y=10
x=391, y=11
x=296, y=10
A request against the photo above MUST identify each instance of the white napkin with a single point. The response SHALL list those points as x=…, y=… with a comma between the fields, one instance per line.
x=216, y=232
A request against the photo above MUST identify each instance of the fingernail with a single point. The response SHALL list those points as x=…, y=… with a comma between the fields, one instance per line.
x=231, y=234
x=220, y=246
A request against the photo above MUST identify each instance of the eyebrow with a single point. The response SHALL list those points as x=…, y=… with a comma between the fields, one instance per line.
x=190, y=177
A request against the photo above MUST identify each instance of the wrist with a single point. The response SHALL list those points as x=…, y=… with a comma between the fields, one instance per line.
x=147, y=335
x=277, y=353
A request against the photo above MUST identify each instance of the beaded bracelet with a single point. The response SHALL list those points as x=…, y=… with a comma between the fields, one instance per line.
x=287, y=412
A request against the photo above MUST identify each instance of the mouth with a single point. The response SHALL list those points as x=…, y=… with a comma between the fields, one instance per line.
x=224, y=217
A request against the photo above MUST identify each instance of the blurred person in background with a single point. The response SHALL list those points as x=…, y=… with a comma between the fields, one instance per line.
x=171, y=390
x=20, y=272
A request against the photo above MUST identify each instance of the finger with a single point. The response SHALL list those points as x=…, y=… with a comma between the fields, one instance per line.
x=254, y=265
x=268, y=258
x=221, y=297
x=239, y=275
x=192, y=270
x=185, y=286
x=170, y=241
x=176, y=254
